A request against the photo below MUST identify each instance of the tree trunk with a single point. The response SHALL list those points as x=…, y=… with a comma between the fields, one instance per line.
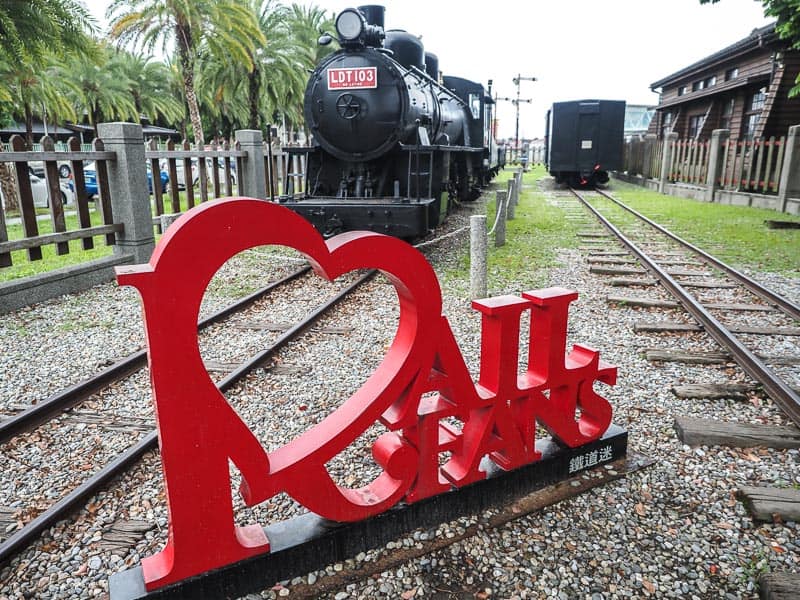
x=96, y=117
x=8, y=183
x=254, y=93
x=194, y=110
x=28, y=127
x=183, y=35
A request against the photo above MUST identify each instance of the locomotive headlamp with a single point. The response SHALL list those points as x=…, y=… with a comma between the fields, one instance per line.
x=349, y=25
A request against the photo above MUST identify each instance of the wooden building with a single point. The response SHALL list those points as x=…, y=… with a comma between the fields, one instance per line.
x=743, y=88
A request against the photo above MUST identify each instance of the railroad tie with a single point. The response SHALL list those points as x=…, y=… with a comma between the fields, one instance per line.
x=768, y=503
x=710, y=432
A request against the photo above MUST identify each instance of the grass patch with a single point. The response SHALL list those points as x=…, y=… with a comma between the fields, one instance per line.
x=533, y=239
x=22, y=267
x=734, y=234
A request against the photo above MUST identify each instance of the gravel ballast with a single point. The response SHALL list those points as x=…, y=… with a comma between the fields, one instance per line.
x=673, y=530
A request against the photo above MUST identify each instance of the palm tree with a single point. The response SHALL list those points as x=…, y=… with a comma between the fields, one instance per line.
x=278, y=73
x=102, y=90
x=306, y=23
x=32, y=29
x=37, y=91
x=222, y=92
x=225, y=27
x=150, y=87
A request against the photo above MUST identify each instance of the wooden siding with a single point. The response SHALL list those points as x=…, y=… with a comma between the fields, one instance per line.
x=784, y=111
x=756, y=69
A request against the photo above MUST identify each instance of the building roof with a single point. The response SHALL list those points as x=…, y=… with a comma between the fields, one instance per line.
x=637, y=117
x=757, y=38
x=38, y=128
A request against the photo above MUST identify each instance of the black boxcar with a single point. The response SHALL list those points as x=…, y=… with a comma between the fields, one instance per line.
x=584, y=140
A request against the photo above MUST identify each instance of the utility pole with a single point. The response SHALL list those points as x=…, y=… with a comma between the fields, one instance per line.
x=516, y=102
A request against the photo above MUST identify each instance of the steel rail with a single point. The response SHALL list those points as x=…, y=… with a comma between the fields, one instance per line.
x=63, y=399
x=777, y=389
x=785, y=305
x=78, y=496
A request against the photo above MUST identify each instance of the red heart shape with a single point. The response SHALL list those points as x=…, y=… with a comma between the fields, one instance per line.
x=199, y=431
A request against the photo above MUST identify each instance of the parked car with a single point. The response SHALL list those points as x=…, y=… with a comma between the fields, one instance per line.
x=90, y=178
x=41, y=198
x=179, y=170
x=64, y=168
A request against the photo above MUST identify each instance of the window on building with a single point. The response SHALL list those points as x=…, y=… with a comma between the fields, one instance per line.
x=758, y=99
x=753, y=113
x=666, y=124
x=698, y=85
x=749, y=126
x=682, y=90
x=710, y=81
x=727, y=114
x=731, y=74
x=695, y=125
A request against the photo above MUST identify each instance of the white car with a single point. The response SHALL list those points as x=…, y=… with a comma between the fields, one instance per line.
x=196, y=172
x=41, y=197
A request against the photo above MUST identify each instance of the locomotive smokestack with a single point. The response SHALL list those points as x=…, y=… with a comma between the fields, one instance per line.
x=373, y=13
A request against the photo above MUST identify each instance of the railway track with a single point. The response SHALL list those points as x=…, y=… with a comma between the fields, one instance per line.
x=227, y=374
x=771, y=317
x=127, y=519
x=41, y=413
x=710, y=315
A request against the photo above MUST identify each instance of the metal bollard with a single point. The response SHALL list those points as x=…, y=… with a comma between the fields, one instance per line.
x=500, y=231
x=478, y=242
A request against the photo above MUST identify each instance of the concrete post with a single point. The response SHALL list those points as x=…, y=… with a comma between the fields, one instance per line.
x=500, y=231
x=789, y=186
x=252, y=180
x=716, y=153
x=666, y=160
x=127, y=182
x=511, y=208
x=649, y=144
x=168, y=219
x=478, y=242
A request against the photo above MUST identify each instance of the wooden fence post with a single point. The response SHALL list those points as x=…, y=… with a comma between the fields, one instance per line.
x=649, y=145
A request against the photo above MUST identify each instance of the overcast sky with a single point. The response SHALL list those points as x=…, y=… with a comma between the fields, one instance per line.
x=610, y=49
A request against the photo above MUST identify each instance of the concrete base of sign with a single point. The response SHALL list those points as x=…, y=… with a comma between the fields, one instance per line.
x=308, y=542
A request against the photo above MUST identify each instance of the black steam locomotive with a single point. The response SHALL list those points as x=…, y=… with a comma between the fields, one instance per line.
x=583, y=141
x=393, y=146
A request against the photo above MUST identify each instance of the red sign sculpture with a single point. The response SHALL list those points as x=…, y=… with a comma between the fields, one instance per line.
x=422, y=381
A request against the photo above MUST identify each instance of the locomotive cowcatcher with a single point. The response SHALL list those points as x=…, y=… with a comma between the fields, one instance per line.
x=393, y=148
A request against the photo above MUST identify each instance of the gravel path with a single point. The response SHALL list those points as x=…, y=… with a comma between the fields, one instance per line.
x=673, y=530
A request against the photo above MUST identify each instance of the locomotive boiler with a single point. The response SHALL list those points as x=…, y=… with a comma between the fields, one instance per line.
x=394, y=146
